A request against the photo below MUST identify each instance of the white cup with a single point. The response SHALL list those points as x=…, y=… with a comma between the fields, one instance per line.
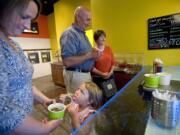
x=165, y=78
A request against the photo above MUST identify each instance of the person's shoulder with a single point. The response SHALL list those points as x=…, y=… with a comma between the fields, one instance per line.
x=2, y=42
x=69, y=31
x=3, y=46
x=2, y=50
x=17, y=46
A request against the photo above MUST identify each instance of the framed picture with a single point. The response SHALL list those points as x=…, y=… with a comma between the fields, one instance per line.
x=45, y=56
x=33, y=30
x=33, y=57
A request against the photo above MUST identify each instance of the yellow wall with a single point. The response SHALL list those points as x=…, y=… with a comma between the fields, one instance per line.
x=89, y=34
x=61, y=19
x=64, y=14
x=125, y=22
x=52, y=34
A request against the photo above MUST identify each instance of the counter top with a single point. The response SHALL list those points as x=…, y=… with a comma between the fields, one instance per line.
x=131, y=69
x=126, y=113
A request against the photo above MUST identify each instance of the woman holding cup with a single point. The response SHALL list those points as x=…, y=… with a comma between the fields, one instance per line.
x=16, y=90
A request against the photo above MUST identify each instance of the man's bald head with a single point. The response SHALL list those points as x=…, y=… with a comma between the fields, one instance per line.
x=82, y=17
x=79, y=11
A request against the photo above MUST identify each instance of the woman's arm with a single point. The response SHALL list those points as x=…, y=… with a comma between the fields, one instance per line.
x=40, y=97
x=14, y=118
x=112, y=70
x=30, y=126
x=112, y=62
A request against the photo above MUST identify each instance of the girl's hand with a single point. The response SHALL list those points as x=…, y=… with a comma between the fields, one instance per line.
x=72, y=109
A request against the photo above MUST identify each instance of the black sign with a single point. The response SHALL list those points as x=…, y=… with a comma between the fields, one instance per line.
x=164, y=32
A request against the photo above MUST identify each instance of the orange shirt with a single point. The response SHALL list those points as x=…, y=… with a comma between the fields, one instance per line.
x=105, y=61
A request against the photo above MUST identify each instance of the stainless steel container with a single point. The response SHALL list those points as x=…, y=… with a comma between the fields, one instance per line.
x=165, y=112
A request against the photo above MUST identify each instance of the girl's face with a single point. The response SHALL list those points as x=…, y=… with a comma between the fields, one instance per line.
x=81, y=95
x=101, y=41
x=21, y=20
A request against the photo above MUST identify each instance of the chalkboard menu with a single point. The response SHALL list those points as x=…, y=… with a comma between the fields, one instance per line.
x=164, y=32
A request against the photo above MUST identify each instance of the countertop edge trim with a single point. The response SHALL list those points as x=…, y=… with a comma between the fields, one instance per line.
x=109, y=101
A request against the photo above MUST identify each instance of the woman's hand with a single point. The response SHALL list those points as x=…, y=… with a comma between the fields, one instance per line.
x=46, y=122
x=105, y=75
x=62, y=98
x=108, y=75
x=31, y=126
x=52, y=124
x=48, y=101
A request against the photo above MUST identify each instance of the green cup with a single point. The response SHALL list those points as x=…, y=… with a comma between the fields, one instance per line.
x=56, y=111
x=151, y=80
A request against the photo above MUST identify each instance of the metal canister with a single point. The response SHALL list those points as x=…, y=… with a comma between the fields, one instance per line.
x=165, y=112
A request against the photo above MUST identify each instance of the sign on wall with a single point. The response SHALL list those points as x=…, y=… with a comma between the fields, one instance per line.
x=164, y=32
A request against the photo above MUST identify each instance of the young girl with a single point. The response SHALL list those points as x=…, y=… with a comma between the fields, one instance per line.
x=87, y=98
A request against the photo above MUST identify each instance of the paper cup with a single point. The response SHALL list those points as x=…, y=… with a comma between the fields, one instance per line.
x=56, y=111
x=165, y=78
x=151, y=80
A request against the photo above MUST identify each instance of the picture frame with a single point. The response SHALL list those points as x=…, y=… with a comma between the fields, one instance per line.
x=33, y=30
x=33, y=57
x=45, y=56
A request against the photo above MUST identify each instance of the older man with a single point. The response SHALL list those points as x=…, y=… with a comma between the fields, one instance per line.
x=76, y=51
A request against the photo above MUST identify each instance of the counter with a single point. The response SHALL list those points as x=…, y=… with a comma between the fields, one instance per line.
x=126, y=113
x=124, y=74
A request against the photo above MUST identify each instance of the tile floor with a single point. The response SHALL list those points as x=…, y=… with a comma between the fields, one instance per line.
x=46, y=85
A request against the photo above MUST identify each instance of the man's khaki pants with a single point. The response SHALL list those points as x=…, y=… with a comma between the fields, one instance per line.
x=74, y=79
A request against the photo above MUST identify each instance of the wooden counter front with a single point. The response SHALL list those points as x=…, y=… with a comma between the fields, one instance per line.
x=57, y=73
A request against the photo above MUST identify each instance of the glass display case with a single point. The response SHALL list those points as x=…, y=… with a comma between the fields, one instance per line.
x=127, y=66
x=130, y=59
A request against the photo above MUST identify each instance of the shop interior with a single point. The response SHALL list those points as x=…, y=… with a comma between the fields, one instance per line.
x=129, y=28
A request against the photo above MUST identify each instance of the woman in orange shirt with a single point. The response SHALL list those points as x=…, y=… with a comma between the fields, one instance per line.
x=104, y=65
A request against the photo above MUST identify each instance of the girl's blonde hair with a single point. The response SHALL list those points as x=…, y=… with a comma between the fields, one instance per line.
x=95, y=94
